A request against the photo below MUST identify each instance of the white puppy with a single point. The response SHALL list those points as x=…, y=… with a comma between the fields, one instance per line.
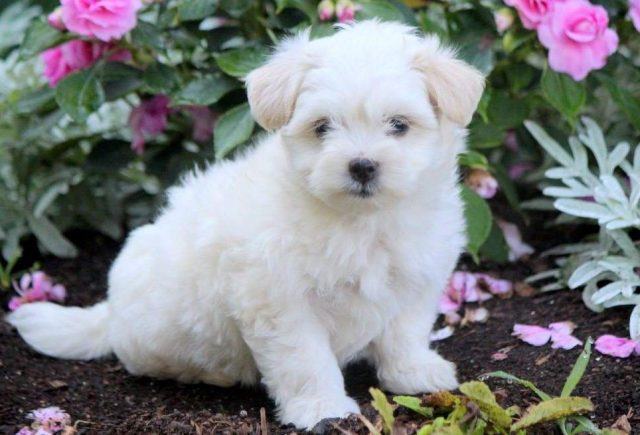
x=330, y=241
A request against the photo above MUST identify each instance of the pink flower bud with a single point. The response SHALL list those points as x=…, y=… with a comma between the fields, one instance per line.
x=346, y=11
x=503, y=19
x=326, y=9
x=55, y=19
x=482, y=182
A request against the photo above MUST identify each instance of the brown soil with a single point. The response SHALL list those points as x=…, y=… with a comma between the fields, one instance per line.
x=104, y=399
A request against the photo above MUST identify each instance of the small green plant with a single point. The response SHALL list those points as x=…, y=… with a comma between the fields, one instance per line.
x=476, y=411
x=607, y=194
x=6, y=270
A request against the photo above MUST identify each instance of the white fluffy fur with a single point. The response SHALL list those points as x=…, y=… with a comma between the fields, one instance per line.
x=269, y=264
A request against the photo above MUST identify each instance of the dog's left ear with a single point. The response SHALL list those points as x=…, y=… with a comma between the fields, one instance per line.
x=454, y=87
x=273, y=88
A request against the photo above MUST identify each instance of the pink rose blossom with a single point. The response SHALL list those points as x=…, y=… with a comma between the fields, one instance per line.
x=577, y=37
x=55, y=19
x=76, y=55
x=634, y=13
x=503, y=19
x=326, y=9
x=482, y=182
x=36, y=287
x=149, y=117
x=346, y=11
x=103, y=19
x=617, y=346
x=532, y=12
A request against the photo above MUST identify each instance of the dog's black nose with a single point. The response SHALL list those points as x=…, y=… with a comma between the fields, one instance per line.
x=363, y=170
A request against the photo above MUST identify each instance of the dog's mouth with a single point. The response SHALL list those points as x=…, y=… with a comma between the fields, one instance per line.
x=363, y=191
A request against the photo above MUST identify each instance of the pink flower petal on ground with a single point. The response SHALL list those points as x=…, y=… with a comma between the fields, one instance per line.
x=15, y=303
x=448, y=305
x=499, y=356
x=475, y=315
x=616, y=346
x=25, y=431
x=51, y=419
x=532, y=334
x=465, y=284
x=564, y=341
x=452, y=318
x=442, y=333
x=511, y=233
x=566, y=327
x=495, y=285
x=57, y=293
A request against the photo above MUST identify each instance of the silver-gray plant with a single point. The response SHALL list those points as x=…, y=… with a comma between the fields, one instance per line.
x=608, y=192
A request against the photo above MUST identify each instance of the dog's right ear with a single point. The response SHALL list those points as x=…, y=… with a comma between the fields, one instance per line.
x=273, y=88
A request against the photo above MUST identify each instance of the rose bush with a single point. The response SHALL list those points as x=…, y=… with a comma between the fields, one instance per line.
x=103, y=103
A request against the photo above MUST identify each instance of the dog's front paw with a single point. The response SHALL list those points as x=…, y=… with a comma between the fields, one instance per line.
x=305, y=412
x=427, y=373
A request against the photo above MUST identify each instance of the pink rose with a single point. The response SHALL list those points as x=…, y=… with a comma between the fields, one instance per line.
x=531, y=12
x=149, y=117
x=634, y=13
x=76, y=55
x=577, y=37
x=102, y=19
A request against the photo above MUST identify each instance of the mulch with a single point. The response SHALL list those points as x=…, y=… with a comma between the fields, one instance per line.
x=103, y=399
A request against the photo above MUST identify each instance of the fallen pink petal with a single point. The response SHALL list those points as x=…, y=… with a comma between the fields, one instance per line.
x=499, y=356
x=564, y=341
x=517, y=247
x=532, y=334
x=475, y=315
x=496, y=286
x=616, y=346
x=36, y=287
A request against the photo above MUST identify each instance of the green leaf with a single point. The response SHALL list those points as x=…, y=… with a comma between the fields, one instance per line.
x=528, y=384
x=495, y=248
x=51, y=238
x=414, y=404
x=578, y=370
x=109, y=156
x=549, y=144
x=147, y=34
x=473, y=159
x=482, y=136
x=233, y=128
x=563, y=93
x=49, y=196
x=119, y=79
x=384, y=10
x=552, y=410
x=160, y=78
x=241, y=61
x=80, y=94
x=480, y=393
x=505, y=111
x=384, y=408
x=235, y=8
x=627, y=102
x=307, y=6
x=478, y=217
x=33, y=101
x=190, y=10
x=205, y=91
x=39, y=37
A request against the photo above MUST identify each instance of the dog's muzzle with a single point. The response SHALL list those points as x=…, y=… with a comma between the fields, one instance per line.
x=364, y=173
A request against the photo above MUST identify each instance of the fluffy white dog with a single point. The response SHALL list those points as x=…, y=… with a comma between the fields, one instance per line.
x=330, y=241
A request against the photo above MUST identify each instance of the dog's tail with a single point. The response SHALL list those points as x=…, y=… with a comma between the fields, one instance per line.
x=64, y=332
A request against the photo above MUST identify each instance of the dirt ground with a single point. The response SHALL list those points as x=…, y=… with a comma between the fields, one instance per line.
x=106, y=400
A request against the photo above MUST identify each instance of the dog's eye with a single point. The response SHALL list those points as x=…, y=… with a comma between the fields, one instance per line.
x=398, y=126
x=321, y=127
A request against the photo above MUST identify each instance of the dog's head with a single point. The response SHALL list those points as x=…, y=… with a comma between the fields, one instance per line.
x=366, y=115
